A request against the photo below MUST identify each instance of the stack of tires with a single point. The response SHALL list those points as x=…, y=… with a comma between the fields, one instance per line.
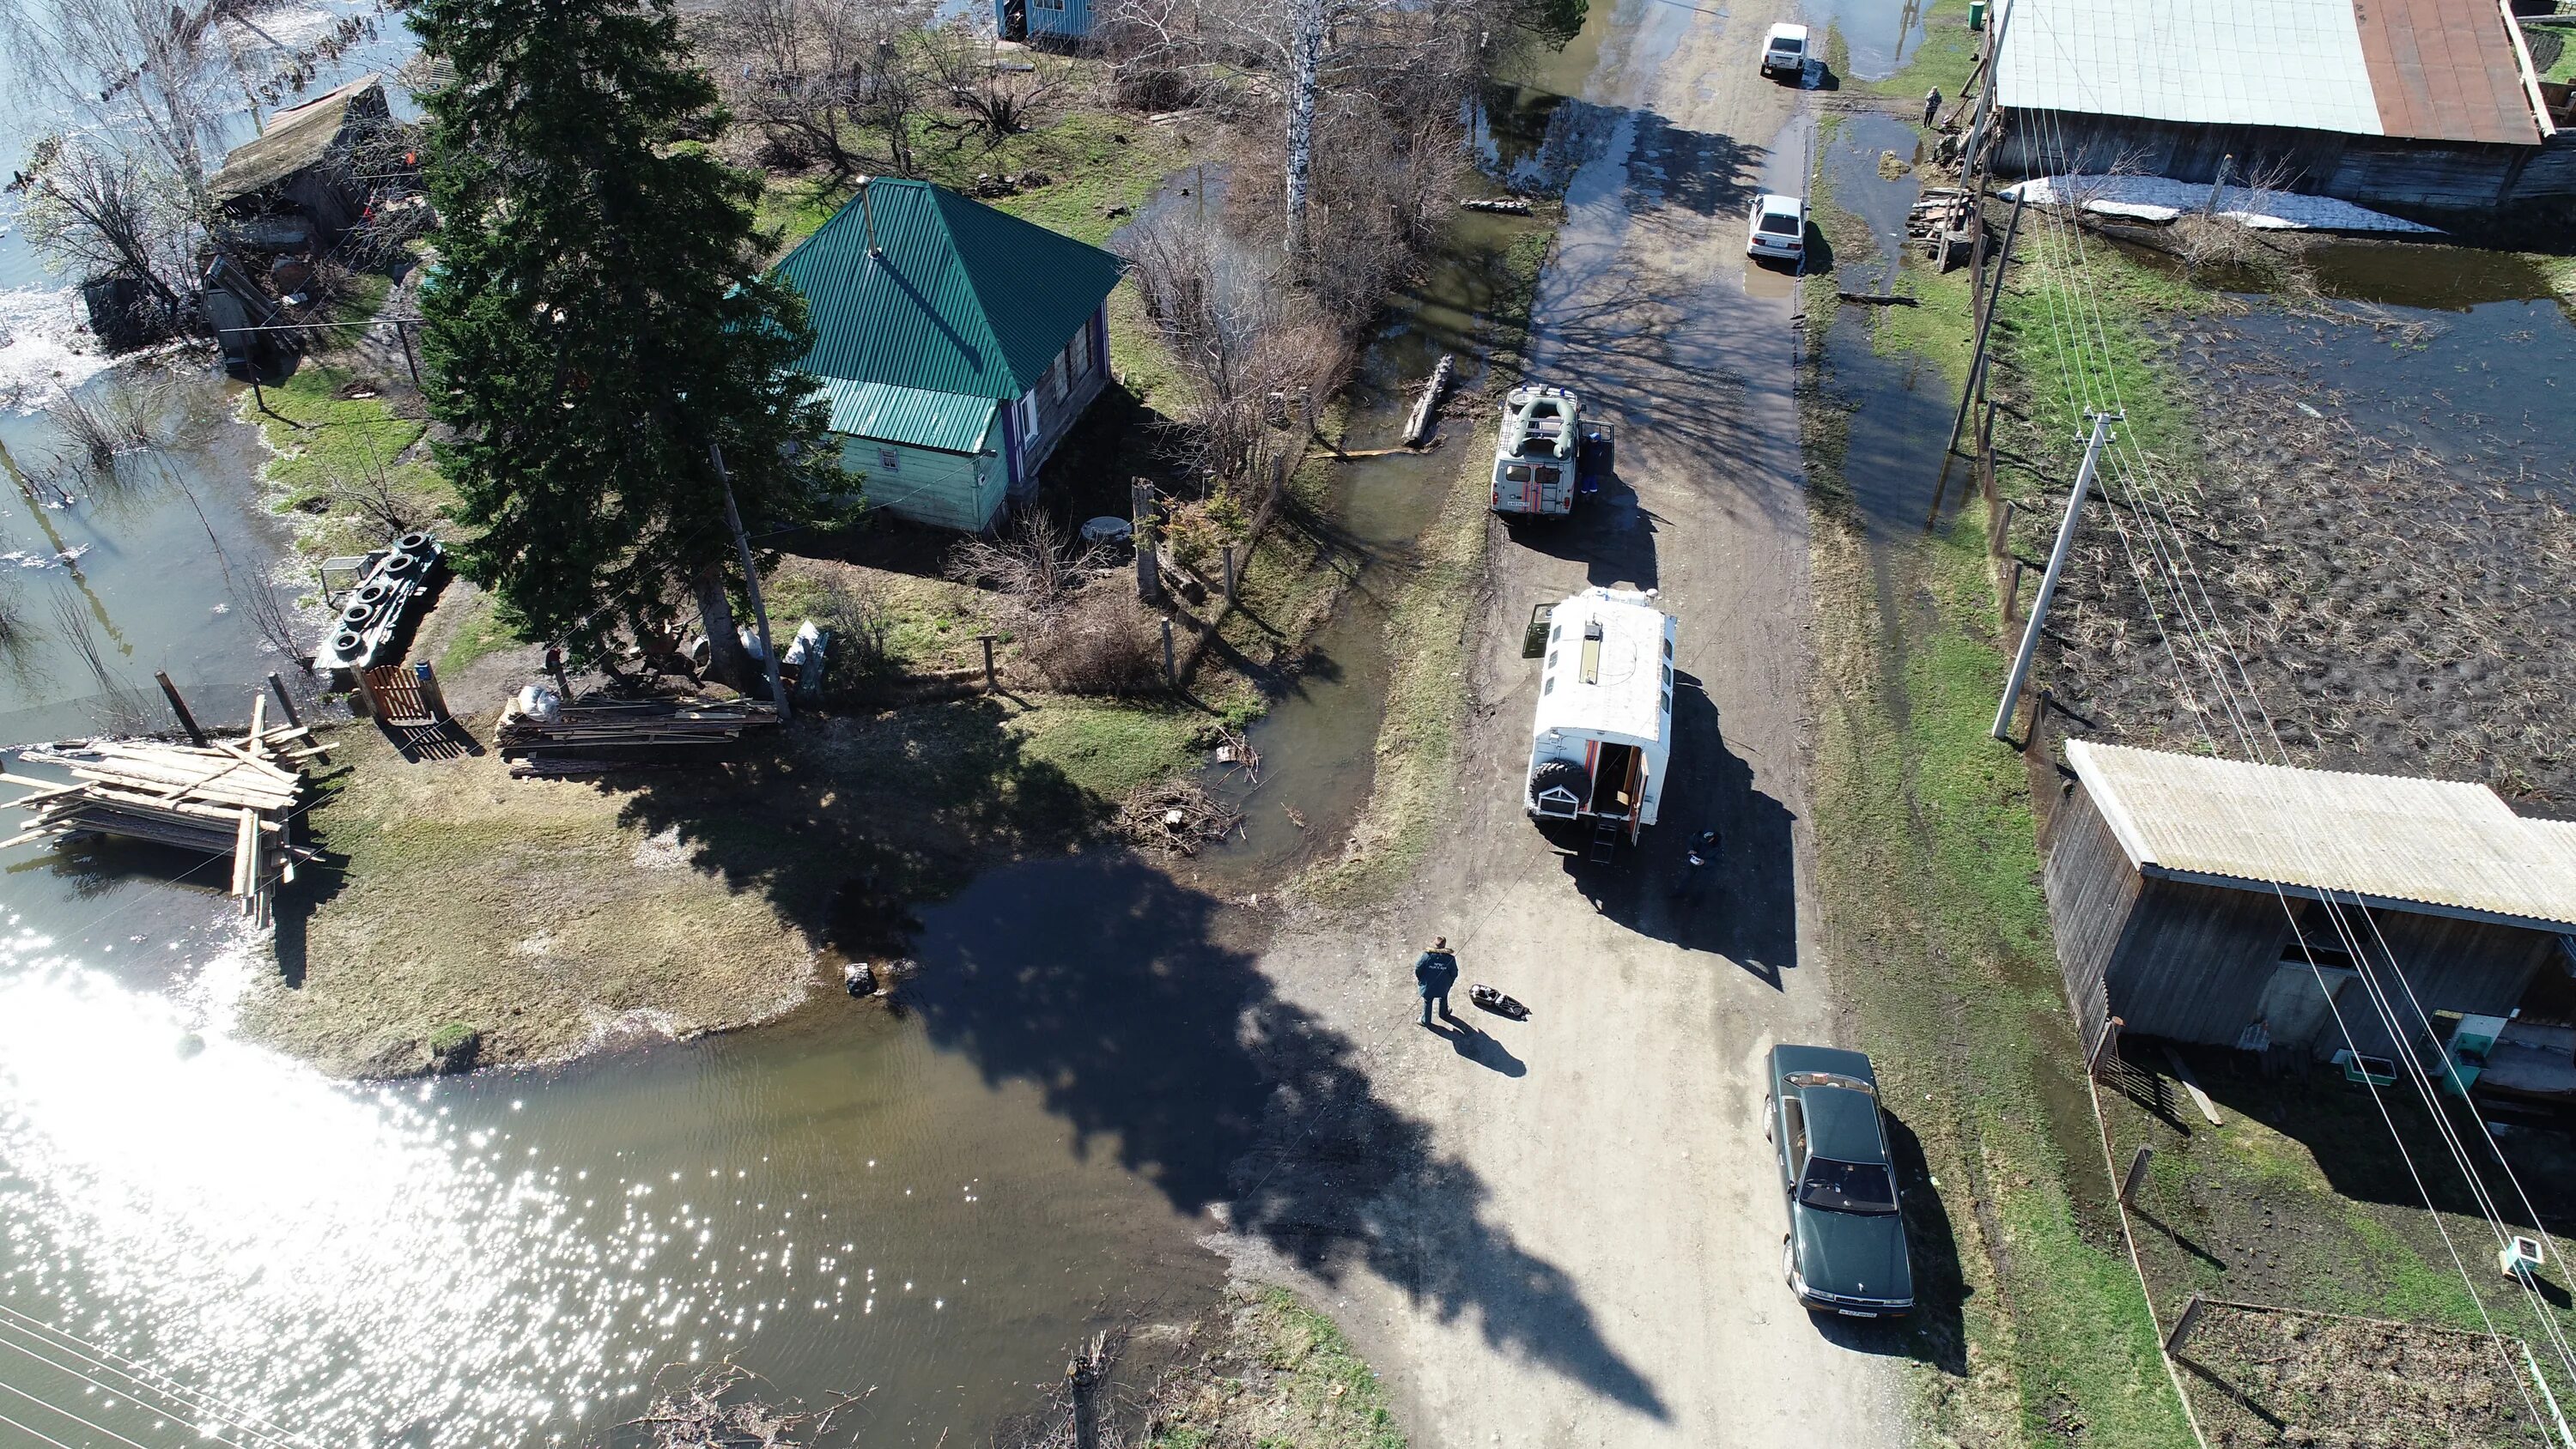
x=379, y=603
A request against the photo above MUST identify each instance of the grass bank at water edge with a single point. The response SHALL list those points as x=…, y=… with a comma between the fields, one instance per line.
x=2033, y=1326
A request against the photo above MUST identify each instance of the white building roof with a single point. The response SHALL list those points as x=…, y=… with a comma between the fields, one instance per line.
x=2455, y=848
x=2428, y=69
x=2221, y=62
x=1630, y=696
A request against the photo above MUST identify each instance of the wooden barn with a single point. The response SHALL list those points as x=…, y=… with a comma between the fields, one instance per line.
x=956, y=345
x=300, y=185
x=2188, y=896
x=2428, y=109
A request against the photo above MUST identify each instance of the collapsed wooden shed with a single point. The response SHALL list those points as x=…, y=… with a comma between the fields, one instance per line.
x=2189, y=897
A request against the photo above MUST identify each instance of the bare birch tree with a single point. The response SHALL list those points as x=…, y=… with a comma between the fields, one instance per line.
x=144, y=68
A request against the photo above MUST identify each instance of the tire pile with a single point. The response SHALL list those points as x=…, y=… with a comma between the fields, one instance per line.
x=373, y=614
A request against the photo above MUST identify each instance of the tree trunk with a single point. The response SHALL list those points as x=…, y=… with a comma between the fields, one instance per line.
x=1305, y=78
x=727, y=660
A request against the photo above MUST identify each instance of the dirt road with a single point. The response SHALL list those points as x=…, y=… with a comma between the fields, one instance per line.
x=1589, y=1250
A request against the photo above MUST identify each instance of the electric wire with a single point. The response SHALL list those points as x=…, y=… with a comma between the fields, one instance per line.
x=192, y=1401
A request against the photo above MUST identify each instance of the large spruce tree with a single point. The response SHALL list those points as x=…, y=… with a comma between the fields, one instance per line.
x=597, y=318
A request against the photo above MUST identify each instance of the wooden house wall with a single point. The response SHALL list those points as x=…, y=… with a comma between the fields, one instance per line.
x=2196, y=960
x=2090, y=887
x=1070, y=19
x=946, y=490
x=2388, y=172
x=2471, y=967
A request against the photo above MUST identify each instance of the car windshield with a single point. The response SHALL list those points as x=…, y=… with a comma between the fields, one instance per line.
x=1789, y=43
x=1847, y=1187
x=1785, y=223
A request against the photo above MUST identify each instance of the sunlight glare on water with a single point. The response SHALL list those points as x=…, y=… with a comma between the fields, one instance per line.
x=349, y=1262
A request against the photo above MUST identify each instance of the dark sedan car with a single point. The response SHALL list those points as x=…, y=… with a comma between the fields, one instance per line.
x=1845, y=1252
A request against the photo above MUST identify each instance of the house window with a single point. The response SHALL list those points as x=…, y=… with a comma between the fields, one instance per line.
x=888, y=460
x=1047, y=4
x=1028, y=422
x=1058, y=383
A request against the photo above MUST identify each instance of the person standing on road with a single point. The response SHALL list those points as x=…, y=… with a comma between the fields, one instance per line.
x=1435, y=971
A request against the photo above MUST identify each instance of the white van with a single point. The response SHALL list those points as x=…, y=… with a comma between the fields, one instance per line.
x=1601, y=745
x=1784, y=50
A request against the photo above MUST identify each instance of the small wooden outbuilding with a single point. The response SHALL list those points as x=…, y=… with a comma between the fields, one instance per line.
x=300, y=184
x=2190, y=900
x=955, y=344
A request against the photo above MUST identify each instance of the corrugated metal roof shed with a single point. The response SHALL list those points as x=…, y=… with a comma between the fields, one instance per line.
x=2442, y=70
x=2453, y=847
x=948, y=421
x=960, y=298
x=296, y=138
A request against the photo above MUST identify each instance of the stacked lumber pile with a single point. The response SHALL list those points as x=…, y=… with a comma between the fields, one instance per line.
x=588, y=724
x=224, y=797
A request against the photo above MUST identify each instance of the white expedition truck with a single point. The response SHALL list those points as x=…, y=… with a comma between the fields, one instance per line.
x=1601, y=745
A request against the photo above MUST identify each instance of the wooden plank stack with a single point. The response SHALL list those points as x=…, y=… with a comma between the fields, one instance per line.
x=591, y=723
x=225, y=797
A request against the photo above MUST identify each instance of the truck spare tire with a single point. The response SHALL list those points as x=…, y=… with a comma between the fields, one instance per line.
x=1563, y=775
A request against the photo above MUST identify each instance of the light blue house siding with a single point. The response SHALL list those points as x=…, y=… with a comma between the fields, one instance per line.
x=1063, y=19
x=963, y=491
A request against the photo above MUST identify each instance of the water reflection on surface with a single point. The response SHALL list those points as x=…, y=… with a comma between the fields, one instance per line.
x=437, y=1264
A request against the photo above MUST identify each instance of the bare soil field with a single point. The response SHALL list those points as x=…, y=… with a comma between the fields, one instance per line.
x=2394, y=562
x=2266, y=1377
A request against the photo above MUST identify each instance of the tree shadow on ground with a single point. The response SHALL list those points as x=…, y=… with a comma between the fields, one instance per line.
x=1743, y=905
x=1125, y=998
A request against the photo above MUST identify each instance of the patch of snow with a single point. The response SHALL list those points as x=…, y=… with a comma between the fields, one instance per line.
x=2163, y=199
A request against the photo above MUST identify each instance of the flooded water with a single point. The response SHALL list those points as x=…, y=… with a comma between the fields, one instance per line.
x=1879, y=36
x=1894, y=462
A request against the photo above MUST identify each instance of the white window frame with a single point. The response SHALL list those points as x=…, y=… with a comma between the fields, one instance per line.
x=889, y=460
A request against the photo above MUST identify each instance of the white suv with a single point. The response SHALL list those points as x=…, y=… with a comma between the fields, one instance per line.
x=1785, y=50
x=1778, y=228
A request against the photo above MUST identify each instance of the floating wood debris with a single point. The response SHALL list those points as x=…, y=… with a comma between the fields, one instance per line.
x=1507, y=205
x=539, y=720
x=1426, y=410
x=225, y=797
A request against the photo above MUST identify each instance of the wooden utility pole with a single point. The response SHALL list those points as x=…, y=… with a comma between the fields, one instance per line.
x=1984, y=299
x=751, y=580
x=1229, y=573
x=2048, y=581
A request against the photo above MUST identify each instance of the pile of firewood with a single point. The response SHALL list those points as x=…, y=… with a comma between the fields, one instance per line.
x=225, y=797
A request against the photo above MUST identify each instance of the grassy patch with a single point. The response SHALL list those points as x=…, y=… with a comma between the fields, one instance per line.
x=336, y=434
x=480, y=634
x=1427, y=632
x=1109, y=747
x=1284, y=1375
x=1928, y=871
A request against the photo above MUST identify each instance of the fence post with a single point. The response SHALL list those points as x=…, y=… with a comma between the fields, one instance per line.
x=991, y=683
x=2191, y=1310
x=1171, y=666
x=179, y=707
x=2137, y=1176
x=1229, y=573
x=2107, y=1047
x=1140, y=509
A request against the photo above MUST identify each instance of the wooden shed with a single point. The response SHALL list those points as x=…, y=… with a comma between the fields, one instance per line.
x=300, y=183
x=2423, y=108
x=2189, y=897
x=1043, y=21
x=956, y=345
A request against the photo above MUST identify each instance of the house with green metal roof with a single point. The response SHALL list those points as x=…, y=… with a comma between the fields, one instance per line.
x=956, y=345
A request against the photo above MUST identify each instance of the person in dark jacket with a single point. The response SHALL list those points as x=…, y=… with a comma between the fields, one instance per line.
x=1435, y=971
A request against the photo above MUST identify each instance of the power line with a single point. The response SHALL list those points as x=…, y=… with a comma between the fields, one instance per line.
x=192, y=1400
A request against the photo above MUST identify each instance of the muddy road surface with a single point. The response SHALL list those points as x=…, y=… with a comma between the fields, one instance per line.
x=1586, y=1249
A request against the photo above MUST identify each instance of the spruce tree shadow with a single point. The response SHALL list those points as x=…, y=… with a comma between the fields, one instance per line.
x=1123, y=997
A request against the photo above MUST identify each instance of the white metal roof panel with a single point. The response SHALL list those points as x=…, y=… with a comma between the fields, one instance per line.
x=2434, y=842
x=2220, y=62
x=1628, y=702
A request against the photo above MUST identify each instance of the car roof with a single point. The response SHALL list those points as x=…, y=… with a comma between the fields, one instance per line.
x=1787, y=28
x=1774, y=201
x=1842, y=1124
